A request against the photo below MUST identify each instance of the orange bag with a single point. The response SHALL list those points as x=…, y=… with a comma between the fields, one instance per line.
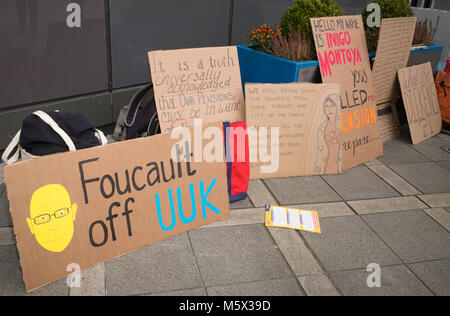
x=442, y=83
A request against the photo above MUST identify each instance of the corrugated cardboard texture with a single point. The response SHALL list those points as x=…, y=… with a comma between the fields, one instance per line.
x=394, y=46
x=196, y=83
x=420, y=101
x=110, y=198
x=343, y=58
x=309, y=122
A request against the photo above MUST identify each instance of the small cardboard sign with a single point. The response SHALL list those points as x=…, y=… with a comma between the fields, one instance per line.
x=343, y=58
x=88, y=206
x=303, y=128
x=196, y=83
x=394, y=46
x=420, y=101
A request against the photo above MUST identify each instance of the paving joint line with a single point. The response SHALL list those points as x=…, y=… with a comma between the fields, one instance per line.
x=404, y=178
x=322, y=267
x=291, y=272
x=196, y=263
x=432, y=218
x=401, y=260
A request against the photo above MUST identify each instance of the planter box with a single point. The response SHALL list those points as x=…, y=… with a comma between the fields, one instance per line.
x=259, y=67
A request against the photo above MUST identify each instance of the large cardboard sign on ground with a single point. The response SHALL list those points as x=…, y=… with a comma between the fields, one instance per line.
x=85, y=207
x=308, y=122
x=420, y=101
x=394, y=46
x=197, y=83
x=343, y=58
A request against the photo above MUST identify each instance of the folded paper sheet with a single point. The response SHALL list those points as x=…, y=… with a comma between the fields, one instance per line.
x=278, y=216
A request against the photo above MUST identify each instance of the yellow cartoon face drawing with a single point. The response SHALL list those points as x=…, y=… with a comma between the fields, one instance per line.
x=52, y=217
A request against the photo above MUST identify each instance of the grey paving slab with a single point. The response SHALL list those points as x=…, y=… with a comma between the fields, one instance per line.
x=435, y=274
x=245, y=203
x=7, y=236
x=5, y=217
x=187, y=292
x=397, y=182
x=167, y=265
x=294, y=250
x=444, y=137
x=327, y=209
x=57, y=288
x=387, y=205
x=237, y=254
x=240, y=217
x=412, y=235
x=259, y=194
x=374, y=162
x=440, y=215
x=398, y=151
x=431, y=148
x=444, y=164
x=300, y=190
x=280, y=287
x=318, y=285
x=92, y=282
x=360, y=183
x=348, y=243
x=395, y=280
x=436, y=200
x=426, y=177
x=11, y=283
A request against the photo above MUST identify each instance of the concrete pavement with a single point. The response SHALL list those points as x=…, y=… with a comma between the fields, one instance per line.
x=393, y=212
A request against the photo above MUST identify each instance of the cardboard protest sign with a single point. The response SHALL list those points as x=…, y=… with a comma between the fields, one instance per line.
x=197, y=83
x=394, y=46
x=343, y=58
x=420, y=101
x=88, y=206
x=303, y=128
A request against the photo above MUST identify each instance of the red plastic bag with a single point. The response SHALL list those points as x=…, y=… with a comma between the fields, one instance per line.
x=237, y=158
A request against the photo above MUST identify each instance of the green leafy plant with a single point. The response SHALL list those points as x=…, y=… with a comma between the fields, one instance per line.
x=296, y=46
x=389, y=9
x=423, y=34
x=301, y=11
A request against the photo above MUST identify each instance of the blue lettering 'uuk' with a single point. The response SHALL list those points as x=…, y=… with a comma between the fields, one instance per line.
x=203, y=197
x=204, y=202
x=172, y=211
x=180, y=205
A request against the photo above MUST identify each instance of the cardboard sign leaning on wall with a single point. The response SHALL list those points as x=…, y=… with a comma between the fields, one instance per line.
x=196, y=83
x=343, y=58
x=88, y=206
x=307, y=119
x=394, y=46
x=420, y=102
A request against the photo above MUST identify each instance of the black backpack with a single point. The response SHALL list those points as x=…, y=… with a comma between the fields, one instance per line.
x=45, y=133
x=139, y=118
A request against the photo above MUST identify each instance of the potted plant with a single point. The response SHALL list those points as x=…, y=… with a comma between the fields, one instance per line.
x=286, y=53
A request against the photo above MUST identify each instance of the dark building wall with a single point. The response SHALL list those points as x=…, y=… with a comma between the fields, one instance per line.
x=41, y=58
x=44, y=64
